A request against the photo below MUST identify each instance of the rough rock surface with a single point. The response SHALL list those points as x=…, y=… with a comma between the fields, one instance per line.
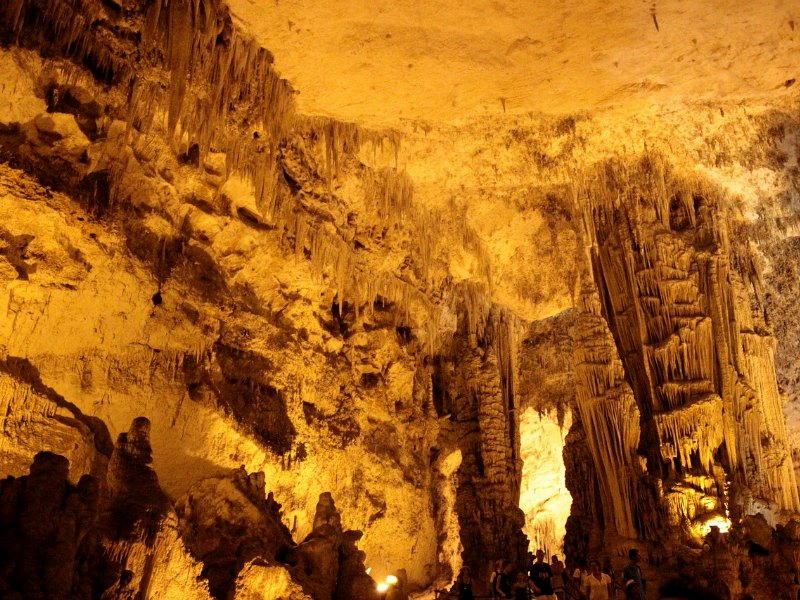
x=227, y=524
x=45, y=520
x=118, y=536
x=374, y=316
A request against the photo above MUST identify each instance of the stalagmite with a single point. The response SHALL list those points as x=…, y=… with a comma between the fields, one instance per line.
x=702, y=375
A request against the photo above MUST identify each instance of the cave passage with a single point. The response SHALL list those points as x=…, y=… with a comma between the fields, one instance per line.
x=544, y=497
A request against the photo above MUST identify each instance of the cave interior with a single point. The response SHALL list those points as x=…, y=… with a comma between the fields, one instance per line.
x=328, y=301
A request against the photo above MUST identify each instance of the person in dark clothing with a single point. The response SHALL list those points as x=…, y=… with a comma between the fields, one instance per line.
x=464, y=584
x=541, y=576
x=502, y=583
x=498, y=570
x=632, y=581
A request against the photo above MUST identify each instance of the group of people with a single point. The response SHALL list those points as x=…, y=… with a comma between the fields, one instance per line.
x=545, y=581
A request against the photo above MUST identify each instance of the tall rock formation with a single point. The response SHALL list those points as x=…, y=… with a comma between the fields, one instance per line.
x=291, y=308
x=694, y=434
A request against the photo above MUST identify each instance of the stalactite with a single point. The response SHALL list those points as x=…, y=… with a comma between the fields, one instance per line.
x=609, y=416
x=391, y=192
x=693, y=428
x=339, y=140
x=202, y=83
x=222, y=91
x=679, y=298
x=68, y=26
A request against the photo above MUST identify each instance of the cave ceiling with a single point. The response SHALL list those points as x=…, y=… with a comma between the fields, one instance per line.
x=381, y=62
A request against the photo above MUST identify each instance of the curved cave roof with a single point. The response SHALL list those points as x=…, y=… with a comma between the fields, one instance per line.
x=383, y=61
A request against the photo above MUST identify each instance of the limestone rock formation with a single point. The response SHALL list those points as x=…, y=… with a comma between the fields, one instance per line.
x=37, y=418
x=119, y=537
x=412, y=292
x=353, y=580
x=108, y=536
x=329, y=560
x=260, y=580
x=45, y=521
x=227, y=526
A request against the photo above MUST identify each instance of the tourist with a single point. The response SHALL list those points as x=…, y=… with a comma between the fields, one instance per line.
x=464, y=584
x=632, y=581
x=541, y=575
x=498, y=569
x=501, y=587
x=505, y=581
x=579, y=579
x=558, y=578
x=521, y=589
x=597, y=584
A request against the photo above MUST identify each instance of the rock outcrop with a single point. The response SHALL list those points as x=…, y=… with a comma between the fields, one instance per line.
x=227, y=523
x=119, y=537
x=45, y=528
x=109, y=536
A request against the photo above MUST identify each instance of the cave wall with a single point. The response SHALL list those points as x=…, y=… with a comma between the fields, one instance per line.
x=246, y=279
x=144, y=278
x=355, y=311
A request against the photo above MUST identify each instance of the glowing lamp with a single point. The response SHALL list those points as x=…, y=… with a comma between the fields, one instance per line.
x=382, y=587
x=391, y=579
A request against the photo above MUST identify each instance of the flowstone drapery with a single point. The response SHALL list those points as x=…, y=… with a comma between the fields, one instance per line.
x=699, y=407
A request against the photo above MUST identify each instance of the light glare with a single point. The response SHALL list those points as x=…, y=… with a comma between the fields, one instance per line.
x=723, y=523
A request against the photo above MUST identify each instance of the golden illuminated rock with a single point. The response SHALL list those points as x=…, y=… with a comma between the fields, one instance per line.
x=367, y=293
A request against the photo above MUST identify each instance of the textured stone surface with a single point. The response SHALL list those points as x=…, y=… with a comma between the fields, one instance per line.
x=368, y=316
x=448, y=59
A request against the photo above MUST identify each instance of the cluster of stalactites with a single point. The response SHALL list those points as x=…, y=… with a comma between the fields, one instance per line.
x=687, y=502
x=649, y=195
x=204, y=86
x=700, y=363
x=609, y=415
x=222, y=91
x=341, y=139
x=68, y=25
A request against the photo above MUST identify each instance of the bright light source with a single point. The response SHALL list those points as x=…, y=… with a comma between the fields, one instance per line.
x=369, y=570
x=702, y=527
x=723, y=523
x=382, y=587
x=391, y=579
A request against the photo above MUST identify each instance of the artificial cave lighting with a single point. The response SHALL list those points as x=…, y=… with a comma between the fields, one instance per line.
x=723, y=524
x=289, y=288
